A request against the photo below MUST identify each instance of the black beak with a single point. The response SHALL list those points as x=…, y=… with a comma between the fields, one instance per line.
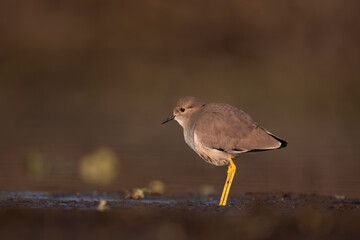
x=168, y=119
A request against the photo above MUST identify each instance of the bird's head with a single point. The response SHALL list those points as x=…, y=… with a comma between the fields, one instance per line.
x=185, y=108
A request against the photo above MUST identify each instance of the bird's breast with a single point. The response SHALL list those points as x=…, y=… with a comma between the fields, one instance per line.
x=189, y=139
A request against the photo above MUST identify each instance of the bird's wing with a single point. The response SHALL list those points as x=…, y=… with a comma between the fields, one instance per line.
x=229, y=129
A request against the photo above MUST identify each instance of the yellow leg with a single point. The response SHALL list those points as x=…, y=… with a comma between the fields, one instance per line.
x=233, y=170
x=225, y=186
x=229, y=179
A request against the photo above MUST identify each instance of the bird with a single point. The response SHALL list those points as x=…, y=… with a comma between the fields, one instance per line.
x=219, y=133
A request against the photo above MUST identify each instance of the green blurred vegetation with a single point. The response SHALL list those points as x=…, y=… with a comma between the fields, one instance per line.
x=100, y=167
x=34, y=165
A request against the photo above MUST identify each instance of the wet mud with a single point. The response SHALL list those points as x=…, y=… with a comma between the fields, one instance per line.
x=29, y=215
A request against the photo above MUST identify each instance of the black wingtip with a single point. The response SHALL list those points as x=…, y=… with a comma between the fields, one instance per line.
x=283, y=142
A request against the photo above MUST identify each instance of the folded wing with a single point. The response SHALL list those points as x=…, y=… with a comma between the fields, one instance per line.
x=235, y=131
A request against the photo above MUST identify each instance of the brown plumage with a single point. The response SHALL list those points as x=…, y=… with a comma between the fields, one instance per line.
x=219, y=132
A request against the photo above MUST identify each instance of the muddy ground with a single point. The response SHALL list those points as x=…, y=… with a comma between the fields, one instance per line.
x=29, y=215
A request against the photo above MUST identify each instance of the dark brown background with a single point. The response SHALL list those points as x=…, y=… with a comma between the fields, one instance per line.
x=79, y=76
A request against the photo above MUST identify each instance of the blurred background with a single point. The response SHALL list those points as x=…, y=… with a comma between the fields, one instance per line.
x=84, y=86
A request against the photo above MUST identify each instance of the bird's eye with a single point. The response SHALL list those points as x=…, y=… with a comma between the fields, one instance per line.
x=182, y=109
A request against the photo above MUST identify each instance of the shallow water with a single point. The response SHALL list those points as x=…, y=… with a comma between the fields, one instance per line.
x=40, y=215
